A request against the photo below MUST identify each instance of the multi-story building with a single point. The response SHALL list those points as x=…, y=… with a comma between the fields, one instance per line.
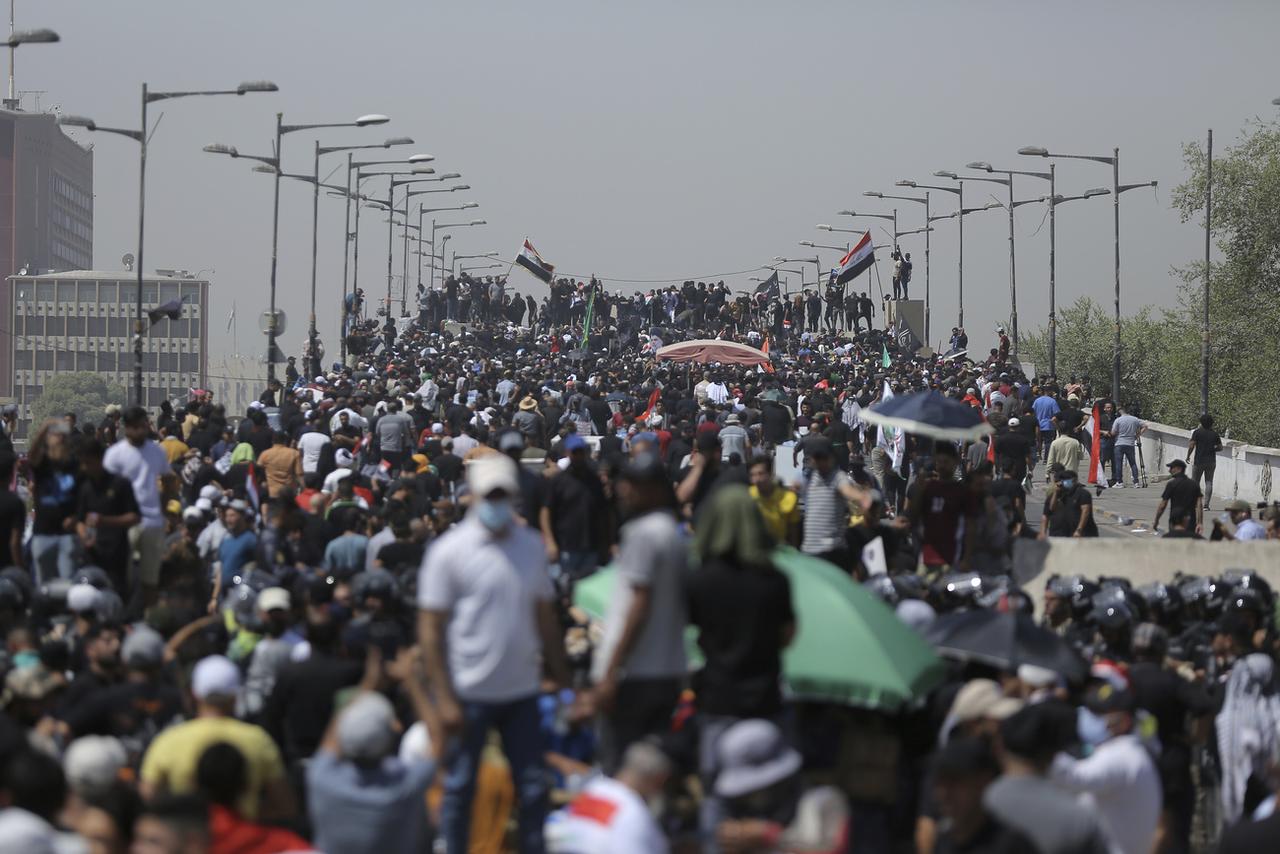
x=82, y=320
x=46, y=196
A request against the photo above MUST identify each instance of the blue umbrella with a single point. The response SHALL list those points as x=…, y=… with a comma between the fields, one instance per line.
x=929, y=413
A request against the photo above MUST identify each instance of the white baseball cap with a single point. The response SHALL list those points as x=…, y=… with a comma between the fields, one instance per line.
x=215, y=675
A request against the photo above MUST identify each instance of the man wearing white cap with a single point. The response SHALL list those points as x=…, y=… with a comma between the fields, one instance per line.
x=169, y=765
x=486, y=614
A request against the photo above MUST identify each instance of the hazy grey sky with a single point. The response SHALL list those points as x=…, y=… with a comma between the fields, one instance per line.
x=660, y=139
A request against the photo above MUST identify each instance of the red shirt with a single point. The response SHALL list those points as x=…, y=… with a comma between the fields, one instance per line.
x=231, y=834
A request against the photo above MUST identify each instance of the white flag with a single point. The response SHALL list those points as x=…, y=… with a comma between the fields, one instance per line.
x=873, y=557
x=891, y=438
x=232, y=319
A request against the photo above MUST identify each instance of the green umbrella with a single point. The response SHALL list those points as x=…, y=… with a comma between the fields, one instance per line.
x=849, y=647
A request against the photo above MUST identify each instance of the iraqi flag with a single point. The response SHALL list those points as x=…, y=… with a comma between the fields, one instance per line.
x=532, y=261
x=860, y=257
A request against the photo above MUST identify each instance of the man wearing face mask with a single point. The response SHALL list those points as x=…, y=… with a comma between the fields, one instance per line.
x=486, y=623
x=1068, y=509
x=1118, y=773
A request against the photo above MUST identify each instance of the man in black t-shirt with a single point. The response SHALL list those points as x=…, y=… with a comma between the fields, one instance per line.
x=55, y=475
x=106, y=509
x=1203, y=451
x=1068, y=509
x=1181, y=496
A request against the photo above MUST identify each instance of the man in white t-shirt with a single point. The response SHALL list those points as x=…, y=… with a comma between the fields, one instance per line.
x=310, y=444
x=141, y=461
x=640, y=663
x=611, y=813
x=487, y=626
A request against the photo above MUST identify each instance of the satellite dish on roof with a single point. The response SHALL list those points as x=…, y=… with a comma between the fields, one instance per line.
x=127, y=261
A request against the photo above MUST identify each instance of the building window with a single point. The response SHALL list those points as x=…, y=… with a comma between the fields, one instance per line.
x=190, y=293
x=189, y=363
x=168, y=361
x=44, y=360
x=106, y=293
x=86, y=291
x=66, y=291
x=118, y=327
x=35, y=325
x=96, y=326
x=179, y=328
x=55, y=325
x=44, y=291
x=75, y=327
x=64, y=360
x=168, y=291
x=22, y=359
x=149, y=290
x=128, y=293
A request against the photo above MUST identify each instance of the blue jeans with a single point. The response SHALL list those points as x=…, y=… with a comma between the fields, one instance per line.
x=518, y=723
x=578, y=565
x=54, y=555
x=1124, y=452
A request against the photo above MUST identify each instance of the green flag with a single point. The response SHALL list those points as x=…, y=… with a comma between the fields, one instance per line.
x=884, y=356
x=586, y=325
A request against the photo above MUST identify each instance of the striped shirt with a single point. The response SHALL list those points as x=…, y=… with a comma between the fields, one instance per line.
x=826, y=512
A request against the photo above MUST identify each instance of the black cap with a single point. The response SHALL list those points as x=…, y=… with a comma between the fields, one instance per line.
x=1108, y=698
x=1181, y=464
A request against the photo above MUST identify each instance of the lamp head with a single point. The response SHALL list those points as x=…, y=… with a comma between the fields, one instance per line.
x=262, y=167
x=423, y=170
x=846, y=213
x=478, y=221
x=873, y=194
x=1034, y=151
x=822, y=226
x=372, y=119
x=806, y=243
x=83, y=122
x=943, y=173
x=219, y=148
x=466, y=205
x=256, y=86
x=42, y=36
x=1096, y=191
x=421, y=158
x=397, y=140
x=449, y=176
x=979, y=164
x=779, y=258
x=460, y=187
x=904, y=183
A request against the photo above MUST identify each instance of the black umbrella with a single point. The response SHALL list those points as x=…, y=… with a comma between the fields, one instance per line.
x=1004, y=640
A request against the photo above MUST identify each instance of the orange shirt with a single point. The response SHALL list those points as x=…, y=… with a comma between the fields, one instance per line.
x=283, y=468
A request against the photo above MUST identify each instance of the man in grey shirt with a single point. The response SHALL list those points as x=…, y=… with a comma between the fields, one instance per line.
x=734, y=439
x=1024, y=799
x=395, y=435
x=1125, y=432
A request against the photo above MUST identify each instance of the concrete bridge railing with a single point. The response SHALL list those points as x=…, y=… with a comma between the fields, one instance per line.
x=1243, y=471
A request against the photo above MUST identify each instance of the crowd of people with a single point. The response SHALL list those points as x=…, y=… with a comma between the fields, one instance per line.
x=345, y=619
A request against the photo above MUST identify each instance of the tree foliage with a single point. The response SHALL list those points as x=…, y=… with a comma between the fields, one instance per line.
x=1160, y=349
x=84, y=393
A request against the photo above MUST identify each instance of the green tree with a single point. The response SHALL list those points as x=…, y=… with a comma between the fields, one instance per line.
x=1244, y=283
x=1157, y=352
x=84, y=393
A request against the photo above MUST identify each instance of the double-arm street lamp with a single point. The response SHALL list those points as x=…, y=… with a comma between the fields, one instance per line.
x=416, y=162
x=943, y=173
x=1116, y=188
x=140, y=137
x=277, y=164
x=815, y=261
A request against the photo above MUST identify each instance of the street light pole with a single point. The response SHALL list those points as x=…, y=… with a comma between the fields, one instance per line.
x=140, y=137
x=1204, y=323
x=346, y=238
